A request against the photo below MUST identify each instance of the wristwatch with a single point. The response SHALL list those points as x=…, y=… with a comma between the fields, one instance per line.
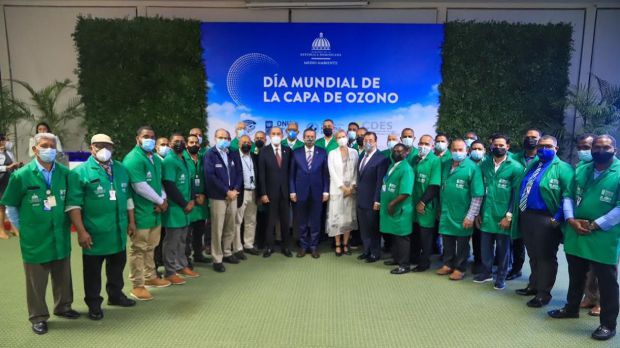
x=509, y=216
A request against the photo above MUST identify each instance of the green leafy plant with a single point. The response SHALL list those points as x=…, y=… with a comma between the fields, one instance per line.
x=11, y=110
x=598, y=106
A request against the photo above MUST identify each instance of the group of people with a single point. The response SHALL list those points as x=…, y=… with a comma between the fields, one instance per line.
x=412, y=198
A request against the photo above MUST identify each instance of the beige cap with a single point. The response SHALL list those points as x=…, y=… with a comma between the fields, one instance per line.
x=101, y=138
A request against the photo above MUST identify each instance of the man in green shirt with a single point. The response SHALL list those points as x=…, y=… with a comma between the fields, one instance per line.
x=199, y=215
x=328, y=141
x=501, y=175
x=35, y=196
x=461, y=195
x=592, y=237
x=395, y=214
x=407, y=137
x=144, y=169
x=584, y=148
x=101, y=209
x=392, y=140
x=291, y=141
x=352, y=128
x=204, y=144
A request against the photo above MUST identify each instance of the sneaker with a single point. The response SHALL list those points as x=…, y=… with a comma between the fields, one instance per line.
x=499, y=285
x=157, y=283
x=483, y=278
x=457, y=275
x=188, y=273
x=140, y=293
x=175, y=280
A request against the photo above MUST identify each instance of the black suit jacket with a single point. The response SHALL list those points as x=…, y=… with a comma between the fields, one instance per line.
x=272, y=179
x=370, y=179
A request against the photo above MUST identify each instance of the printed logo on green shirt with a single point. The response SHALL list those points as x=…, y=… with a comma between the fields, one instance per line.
x=554, y=184
x=34, y=200
x=99, y=191
x=149, y=176
x=606, y=196
x=503, y=184
x=421, y=178
x=182, y=179
x=392, y=187
x=460, y=183
x=124, y=187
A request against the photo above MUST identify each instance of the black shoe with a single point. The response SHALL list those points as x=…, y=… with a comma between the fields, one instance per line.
x=390, y=262
x=70, y=314
x=287, y=252
x=419, y=268
x=252, y=251
x=219, y=267
x=363, y=256
x=315, y=254
x=122, y=302
x=95, y=315
x=231, y=259
x=525, y=291
x=371, y=259
x=240, y=255
x=400, y=270
x=513, y=276
x=562, y=313
x=202, y=259
x=538, y=302
x=267, y=252
x=602, y=333
x=40, y=328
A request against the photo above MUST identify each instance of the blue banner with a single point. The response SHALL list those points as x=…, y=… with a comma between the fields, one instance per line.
x=382, y=76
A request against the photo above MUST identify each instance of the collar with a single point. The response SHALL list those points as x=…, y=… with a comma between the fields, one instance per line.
x=244, y=154
x=41, y=168
x=306, y=149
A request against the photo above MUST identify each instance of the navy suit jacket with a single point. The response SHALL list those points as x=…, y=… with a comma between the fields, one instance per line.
x=304, y=182
x=219, y=178
x=370, y=180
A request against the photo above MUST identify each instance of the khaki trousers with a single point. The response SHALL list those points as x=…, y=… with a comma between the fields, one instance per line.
x=246, y=215
x=141, y=255
x=36, y=286
x=223, y=215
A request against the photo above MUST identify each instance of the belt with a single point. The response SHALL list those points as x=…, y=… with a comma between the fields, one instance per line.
x=248, y=189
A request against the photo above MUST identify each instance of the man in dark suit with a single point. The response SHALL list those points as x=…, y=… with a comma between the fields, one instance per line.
x=372, y=168
x=273, y=166
x=309, y=185
x=223, y=183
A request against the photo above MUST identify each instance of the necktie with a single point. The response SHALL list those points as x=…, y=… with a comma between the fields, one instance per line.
x=364, y=162
x=528, y=187
x=309, y=159
x=278, y=158
x=107, y=168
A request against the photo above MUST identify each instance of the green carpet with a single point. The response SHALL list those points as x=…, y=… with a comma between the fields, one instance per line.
x=279, y=302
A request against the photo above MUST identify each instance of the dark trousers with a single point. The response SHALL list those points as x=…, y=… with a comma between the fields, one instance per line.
x=309, y=215
x=158, y=254
x=401, y=249
x=476, y=246
x=455, y=252
x=517, y=254
x=542, y=239
x=114, y=266
x=278, y=210
x=495, y=246
x=437, y=247
x=37, y=275
x=422, y=245
x=195, y=239
x=262, y=218
x=607, y=276
x=368, y=221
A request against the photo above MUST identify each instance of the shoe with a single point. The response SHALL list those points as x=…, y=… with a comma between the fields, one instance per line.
x=141, y=294
x=240, y=255
x=286, y=252
x=338, y=250
x=70, y=314
x=371, y=259
x=603, y=333
x=251, y=251
x=122, y=302
x=513, y=276
x=390, y=262
x=157, y=283
x=483, y=278
x=231, y=259
x=3, y=235
x=188, y=273
x=346, y=250
x=267, y=252
x=595, y=311
x=301, y=253
x=586, y=303
x=315, y=254
x=202, y=259
x=562, y=313
x=444, y=270
x=420, y=269
x=175, y=280
x=40, y=328
x=457, y=275
x=538, y=302
x=363, y=256
x=499, y=285
x=526, y=292
x=219, y=267
x=95, y=314
x=400, y=270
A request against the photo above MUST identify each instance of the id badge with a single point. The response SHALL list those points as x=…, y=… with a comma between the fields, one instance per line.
x=51, y=201
x=112, y=195
x=383, y=188
x=197, y=182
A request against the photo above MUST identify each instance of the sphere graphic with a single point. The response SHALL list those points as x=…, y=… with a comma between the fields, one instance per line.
x=245, y=75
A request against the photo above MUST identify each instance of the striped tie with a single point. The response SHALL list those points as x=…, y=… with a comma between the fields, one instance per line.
x=528, y=187
x=309, y=159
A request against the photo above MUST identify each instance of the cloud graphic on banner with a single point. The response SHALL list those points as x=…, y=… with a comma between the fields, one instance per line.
x=247, y=68
x=224, y=114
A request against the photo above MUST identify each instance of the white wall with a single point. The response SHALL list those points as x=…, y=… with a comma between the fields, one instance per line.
x=36, y=43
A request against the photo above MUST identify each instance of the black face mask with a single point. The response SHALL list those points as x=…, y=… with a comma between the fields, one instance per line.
x=360, y=141
x=193, y=149
x=601, y=157
x=397, y=157
x=178, y=147
x=246, y=148
x=259, y=143
x=499, y=151
x=328, y=132
x=529, y=143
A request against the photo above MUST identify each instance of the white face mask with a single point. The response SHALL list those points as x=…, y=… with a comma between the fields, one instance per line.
x=343, y=141
x=276, y=140
x=103, y=155
x=424, y=150
x=8, y=145
x=441, y=146
x=163, y=150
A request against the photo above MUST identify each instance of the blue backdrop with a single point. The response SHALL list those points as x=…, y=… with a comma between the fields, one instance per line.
x=382, y=76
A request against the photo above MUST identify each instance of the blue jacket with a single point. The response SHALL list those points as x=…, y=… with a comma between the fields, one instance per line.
x=219, y=178
x=309, y=183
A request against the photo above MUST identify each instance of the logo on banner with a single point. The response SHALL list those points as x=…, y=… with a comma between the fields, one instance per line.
x=250, y=126
x=321, y=53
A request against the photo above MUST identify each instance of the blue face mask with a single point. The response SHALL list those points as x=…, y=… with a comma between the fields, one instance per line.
x=222, y=144
x=408, y=142
x=352, y=135
x=367, y=147
x=148, y=145
x=47, y=155
x=545, y=154
x=468, y=142
x=459, y=156
x=585, y=155
x=391, y=144
x=476, y=155
x=292, y=134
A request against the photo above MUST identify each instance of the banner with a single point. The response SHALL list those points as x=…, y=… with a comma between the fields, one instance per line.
x=382, y=76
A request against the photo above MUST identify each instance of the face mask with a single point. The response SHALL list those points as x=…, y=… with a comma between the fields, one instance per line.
x=246, y=148
x=351, y=134
x=148, y=145
x=424, y=150
x=397, y=157
x=163, y=151
x=529, y=143
x=193, y=149
x=309, y=142
x=276, y=140
x=441, y=146
x=222, y=144
x=408, y=142
x=391, y=144
x=343, y=141
x=476, y=155
x=499, y=151
x=602, y=157
x=328, y=132
x=545, y=154
x=47, y=155
x=178, y=147
x=103, y=155
x=368, y=147
x=199, y=140
x=8, y=146
x=468, y=142
x=585, y=155
x=292, y=134
x=259, y=143
x=240, y=133
x=459, y=156
x=360, y=141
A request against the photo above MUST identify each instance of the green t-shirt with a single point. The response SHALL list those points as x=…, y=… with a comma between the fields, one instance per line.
x=397, y=181
x=197, y=178
x=141, y=168
x=427, y=172
x=332, y=145
x=176, y=170
x=501, y=187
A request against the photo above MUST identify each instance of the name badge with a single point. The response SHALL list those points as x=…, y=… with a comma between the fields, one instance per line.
x=112, y=195
x=218, y=165
x=49, y=203
x=196, y=182
x=383, y=187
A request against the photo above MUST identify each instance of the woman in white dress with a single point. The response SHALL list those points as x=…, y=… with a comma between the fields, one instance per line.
x=341, y=211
